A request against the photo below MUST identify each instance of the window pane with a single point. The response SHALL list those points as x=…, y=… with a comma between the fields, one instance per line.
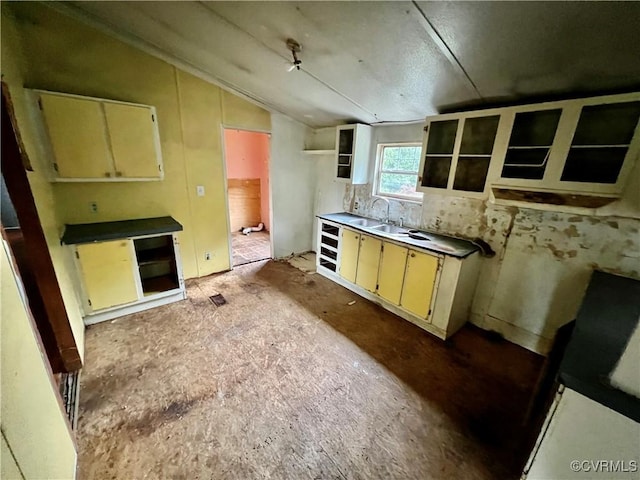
x=399, y=184
x=401, y=158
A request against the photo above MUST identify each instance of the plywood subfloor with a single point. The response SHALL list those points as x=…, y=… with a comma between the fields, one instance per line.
x=287, y=381
x=250, y=248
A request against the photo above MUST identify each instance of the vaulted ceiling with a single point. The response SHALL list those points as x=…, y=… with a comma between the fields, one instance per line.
x=387, y=61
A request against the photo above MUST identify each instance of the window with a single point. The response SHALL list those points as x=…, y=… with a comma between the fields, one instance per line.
x=397, y=171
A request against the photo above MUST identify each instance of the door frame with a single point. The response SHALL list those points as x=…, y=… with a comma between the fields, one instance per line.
x=224, y=127
x=51, y=317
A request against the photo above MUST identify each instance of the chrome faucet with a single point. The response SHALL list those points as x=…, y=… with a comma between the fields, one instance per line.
x=385, y=219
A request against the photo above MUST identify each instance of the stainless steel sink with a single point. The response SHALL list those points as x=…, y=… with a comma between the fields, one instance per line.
x=365, y=222
x=392, y=229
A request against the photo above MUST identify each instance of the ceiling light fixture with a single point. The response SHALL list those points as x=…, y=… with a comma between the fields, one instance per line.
x=295, y=48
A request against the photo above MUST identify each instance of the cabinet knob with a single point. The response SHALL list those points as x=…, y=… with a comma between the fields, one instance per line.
x=118, y=174
x=107, y=174
x=413, y=254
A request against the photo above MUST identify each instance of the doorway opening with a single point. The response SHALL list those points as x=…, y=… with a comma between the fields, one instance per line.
x=247, y=161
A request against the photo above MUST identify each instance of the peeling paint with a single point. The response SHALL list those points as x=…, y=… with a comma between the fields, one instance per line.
x=543, y=260
x=571, y=232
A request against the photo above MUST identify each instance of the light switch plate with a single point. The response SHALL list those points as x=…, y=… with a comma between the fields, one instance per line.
x=200, y=190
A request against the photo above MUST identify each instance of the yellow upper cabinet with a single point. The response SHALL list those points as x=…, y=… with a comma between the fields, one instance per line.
x=78, y=136
x=93, y=139
x=108, y=273
x=349, y=254
x=391, y=273
x=132, y=134
x=419, y=282
x=368, y=262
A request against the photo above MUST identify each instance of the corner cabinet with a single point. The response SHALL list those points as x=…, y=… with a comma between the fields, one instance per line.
x=96, y=140
x=434, y=291
x=573, y=152
x=353, y=151
x=116, y=277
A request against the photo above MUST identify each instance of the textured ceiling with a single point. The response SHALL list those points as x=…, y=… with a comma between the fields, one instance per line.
x=386, y=61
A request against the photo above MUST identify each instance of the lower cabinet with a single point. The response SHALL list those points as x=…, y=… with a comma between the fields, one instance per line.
x=108, y=273
x=432, y=290
x=391, y=273
x=350, y=248
x=368, y=262
x=118, y=277
x=419, y=281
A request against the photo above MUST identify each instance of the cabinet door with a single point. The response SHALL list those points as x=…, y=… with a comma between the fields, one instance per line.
x=419, y=280
x=345, y=152
x=368, y=262
x=350, y=247
x=441, y=139
x=132, y=133
x=78, y=136
x=600, y=143
x=108, y=273
x=391, y=274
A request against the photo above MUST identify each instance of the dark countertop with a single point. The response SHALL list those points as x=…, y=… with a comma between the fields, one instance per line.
x=437, y=243
x=606, y=321
x=98, y=232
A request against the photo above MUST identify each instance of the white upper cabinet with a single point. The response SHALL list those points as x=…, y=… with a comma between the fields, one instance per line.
x=353, y=151
x=457, y=153
x=573, y=152
x=584, y=146
x=97, y=140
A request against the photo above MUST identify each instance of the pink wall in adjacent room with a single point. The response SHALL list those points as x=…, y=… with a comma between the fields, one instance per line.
x=247, y=156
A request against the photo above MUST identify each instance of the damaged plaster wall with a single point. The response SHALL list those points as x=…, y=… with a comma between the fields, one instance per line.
x=544, y=259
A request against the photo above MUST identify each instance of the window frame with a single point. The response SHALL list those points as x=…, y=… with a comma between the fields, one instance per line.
x=378, y=171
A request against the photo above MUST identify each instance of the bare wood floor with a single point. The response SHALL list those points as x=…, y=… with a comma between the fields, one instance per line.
x=287, y=381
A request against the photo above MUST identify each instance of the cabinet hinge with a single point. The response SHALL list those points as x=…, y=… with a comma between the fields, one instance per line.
x=77, y=255
x=159, y=168
x=426, y=128
x=382, y=248
x=429, y=313
x=55, y=166
x=40, y=103
x=377, y=285
x=89, y=302
x=153, y=118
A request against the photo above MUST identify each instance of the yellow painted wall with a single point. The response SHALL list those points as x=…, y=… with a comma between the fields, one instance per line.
x=12, y=67
x=31, y=416
x=8, y=467
x=65, y=55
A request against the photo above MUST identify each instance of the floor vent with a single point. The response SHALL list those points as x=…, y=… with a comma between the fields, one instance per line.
x=69, y=390
x=218, y=300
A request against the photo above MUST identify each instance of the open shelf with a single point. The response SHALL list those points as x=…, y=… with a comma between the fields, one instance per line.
x=159, y=284
x=157, y=264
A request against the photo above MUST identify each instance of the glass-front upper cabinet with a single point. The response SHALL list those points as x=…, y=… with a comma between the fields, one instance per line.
x=530, y=144
x=600, y=143
x=353, y=148
x=572, y=146
x=457, y=153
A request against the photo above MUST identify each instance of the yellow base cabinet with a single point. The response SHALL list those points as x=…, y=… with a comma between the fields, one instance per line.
x=432, y=290
x=368, y=262
x=108, y=273
x=350, y=248
x=419, y=281
x=391, y=273
x=126, y=266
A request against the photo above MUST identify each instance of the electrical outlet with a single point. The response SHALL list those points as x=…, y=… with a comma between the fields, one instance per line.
x=93, y=207
x=200, y=190
x=355, y=206
x=207, y=256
